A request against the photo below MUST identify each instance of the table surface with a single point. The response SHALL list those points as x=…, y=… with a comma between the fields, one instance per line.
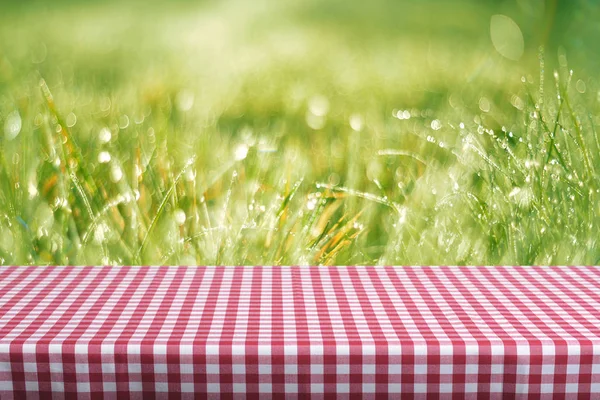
x=129, y=332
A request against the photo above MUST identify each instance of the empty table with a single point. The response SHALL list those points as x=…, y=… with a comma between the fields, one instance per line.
x=180, y=332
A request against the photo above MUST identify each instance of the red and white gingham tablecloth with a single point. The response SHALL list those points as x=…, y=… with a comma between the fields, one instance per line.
x=189, y=332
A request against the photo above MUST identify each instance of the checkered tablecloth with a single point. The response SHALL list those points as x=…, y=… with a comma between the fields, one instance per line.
x=180, y=332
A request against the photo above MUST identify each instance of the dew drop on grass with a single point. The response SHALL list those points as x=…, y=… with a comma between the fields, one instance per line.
x=32, y=190
x=139, y=118
x=105, y=104
x=507, y=37
x=484, y=104
x=580, y=86
x=71, y=120
x=315, y=122
x=517, y=102
x=436, y=125
x=104, y=136
x=190, y=174
x=179, y=216
x=116, y=174
x=151, y=135
x=184, y=100
x=402, y=114
x=12, y=125
x=123, y=121
x=556, y=76
x=240, y=152
x=356, y=122
x=104, y=157
x=318, y=106
x=38, y=120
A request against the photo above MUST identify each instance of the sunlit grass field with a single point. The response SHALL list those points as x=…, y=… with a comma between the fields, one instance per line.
x=300, y=132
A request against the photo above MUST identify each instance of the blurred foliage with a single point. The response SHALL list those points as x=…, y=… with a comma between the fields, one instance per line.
x=313, y=132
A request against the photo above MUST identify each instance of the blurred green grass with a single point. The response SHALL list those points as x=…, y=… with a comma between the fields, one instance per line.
x=313, y=132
